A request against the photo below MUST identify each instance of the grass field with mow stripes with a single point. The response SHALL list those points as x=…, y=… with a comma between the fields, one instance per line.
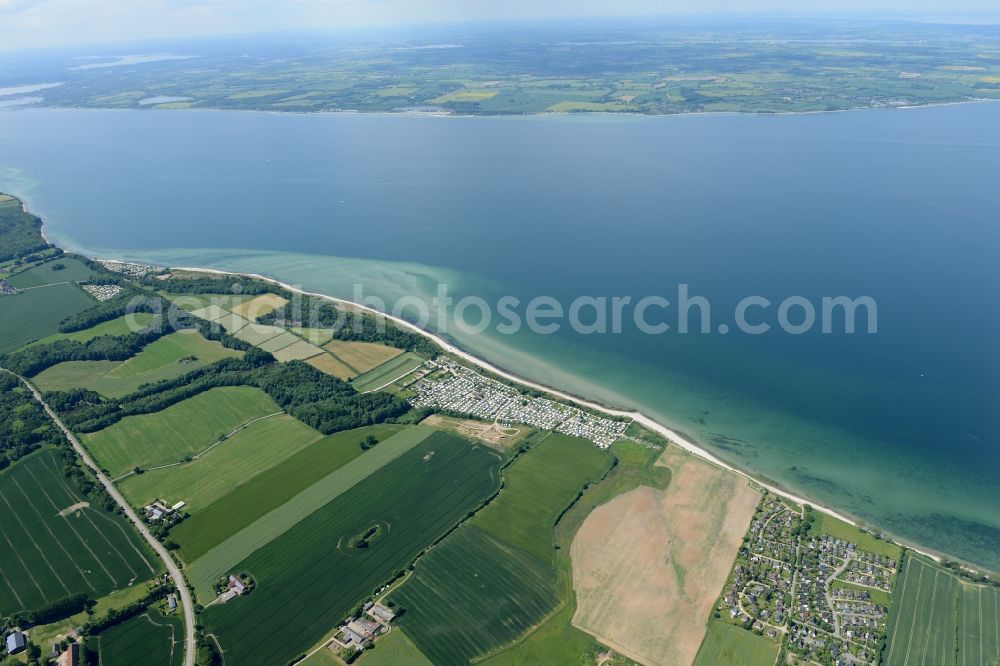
x=937, y=618
x=185, y=428
x=53, y=544
x=167, y=358
x=310, y=577
x=268, y=527
x=494, y=579
x=387, y=372
x=151, y=639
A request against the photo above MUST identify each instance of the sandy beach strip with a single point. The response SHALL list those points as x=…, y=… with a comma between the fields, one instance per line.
x=638, y=417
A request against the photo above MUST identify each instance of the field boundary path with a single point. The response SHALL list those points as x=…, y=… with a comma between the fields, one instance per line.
x=171, y=566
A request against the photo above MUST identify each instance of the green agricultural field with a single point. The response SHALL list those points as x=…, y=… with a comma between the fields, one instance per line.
x=538, y=488
x=192, y=302
x=246, y=536
x=251, y=451
x=473, y=594
x=556, y=640
x=279, y=341
x=734, y=646
x=297, y=351
x=183, y=429
x=36, y=313
x=46, y=634
x=393, y=649
x=921, y=627
x=151, y=638
x=978, y=625
x=316, y=336
x=417, y=498
x=825, y=524
x=167, y=358
x=938, y=618
x=73, y=270
x=257, y=334
x=387, y=372
x=120, y=326
x=495, y=578
x=53, y=545
x=324, y=657
x=270, y=479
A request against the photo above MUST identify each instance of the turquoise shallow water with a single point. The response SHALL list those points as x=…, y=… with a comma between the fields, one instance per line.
x=897, y=428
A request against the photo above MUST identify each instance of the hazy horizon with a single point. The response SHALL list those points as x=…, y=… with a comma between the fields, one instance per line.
x=34, y=25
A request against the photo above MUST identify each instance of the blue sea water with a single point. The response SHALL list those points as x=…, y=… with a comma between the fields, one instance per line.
x=897, y=428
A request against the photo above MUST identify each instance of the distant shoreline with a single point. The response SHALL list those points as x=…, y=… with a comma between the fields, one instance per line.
x=446, y=113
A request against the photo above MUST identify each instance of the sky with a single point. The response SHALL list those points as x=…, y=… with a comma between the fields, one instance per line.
x=30, y=24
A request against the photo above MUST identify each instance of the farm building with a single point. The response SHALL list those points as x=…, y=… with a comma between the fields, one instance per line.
x=364, y=628
x=16, y=642
x=71, y=657
x=236, y=584
x=379, y=613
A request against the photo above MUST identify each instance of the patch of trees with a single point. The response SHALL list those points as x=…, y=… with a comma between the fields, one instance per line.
x=348, y=325
x=55, y=611
x=317, y=399
x=115, y=617
x=365, y=539
x=206, y=653
x=32, y=360
x=114, y=307
x=25, y=425
x=20, y=233
x=235, y=284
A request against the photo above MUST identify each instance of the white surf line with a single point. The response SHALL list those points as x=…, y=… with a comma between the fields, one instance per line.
x=637, y=416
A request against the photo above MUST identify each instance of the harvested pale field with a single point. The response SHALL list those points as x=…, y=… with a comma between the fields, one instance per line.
x=332, y=366
x=362, y=356
x=257, y=334
x=317, y=336
x=279, y=342
x=232, y=322
x=297, y=351
x=649, y=564
x=210, y=312
x=259, y=306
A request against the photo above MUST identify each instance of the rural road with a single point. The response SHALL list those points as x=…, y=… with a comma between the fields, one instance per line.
x=175, y=573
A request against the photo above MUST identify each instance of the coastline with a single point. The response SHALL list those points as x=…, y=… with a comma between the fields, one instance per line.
x=644, y=420
x=447, y=113
x=679, y=439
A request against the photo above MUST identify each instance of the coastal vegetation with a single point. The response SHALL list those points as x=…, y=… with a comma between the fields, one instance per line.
x=20, y=231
